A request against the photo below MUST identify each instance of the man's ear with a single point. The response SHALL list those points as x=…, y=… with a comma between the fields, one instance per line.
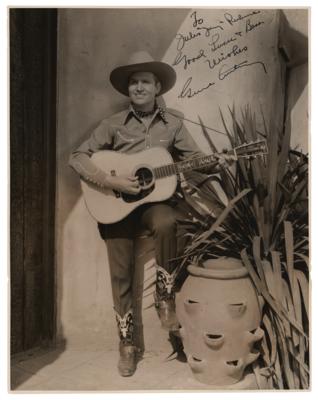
x=158, y=87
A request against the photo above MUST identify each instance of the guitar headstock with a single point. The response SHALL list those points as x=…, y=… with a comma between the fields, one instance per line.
x=251, y=149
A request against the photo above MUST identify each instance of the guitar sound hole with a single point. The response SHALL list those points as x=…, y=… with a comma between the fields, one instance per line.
x=146, y=182
x=145, y=176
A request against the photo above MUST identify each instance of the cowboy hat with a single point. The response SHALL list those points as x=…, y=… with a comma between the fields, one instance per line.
x=142, y=61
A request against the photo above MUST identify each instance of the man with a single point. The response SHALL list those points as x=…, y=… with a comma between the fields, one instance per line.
x=143, y=125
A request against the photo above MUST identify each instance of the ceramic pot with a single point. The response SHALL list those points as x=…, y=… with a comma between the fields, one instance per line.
x=220, y=313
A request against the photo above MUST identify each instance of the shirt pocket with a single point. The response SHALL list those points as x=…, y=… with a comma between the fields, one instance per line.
x=163, y=138
x=122, y=135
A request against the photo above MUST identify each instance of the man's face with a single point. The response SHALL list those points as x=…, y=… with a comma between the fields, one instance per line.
x=143, y=88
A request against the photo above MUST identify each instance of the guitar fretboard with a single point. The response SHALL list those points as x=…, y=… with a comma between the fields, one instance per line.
x=184, y=166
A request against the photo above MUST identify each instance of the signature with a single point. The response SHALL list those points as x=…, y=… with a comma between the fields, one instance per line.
x=224, y=71
x=188, y=92
x=232, y=20
x=183, y=58
x=236, y=50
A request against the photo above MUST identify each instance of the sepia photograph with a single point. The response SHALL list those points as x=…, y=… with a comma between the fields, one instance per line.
x=159, y=199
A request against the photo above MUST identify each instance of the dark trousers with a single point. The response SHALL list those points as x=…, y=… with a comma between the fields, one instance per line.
x=160, y=220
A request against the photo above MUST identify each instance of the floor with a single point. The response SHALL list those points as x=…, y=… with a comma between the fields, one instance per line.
x=88, y=362
x=95, y=370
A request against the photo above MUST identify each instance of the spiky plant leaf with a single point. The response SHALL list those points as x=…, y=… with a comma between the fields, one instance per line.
x=268, y=228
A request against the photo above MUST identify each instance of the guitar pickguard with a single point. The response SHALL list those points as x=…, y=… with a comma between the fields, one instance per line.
x=131, y=198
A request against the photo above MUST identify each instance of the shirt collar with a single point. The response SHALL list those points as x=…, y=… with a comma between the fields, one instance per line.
x=160, y=111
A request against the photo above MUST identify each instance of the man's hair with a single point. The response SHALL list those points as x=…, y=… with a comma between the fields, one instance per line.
x=156, y=78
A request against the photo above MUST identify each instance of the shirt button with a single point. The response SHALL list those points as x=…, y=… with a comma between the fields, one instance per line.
x=147, y=147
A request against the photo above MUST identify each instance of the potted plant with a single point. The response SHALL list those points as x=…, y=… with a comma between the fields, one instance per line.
x=259, y=215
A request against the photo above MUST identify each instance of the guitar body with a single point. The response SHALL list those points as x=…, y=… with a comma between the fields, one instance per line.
x=156, y=174
x=107, y=206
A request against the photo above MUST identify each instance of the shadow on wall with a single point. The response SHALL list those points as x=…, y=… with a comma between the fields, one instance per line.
x=90, y=43
x=295, y=52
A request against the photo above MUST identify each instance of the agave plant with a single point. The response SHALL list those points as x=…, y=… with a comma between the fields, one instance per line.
x=258, y=211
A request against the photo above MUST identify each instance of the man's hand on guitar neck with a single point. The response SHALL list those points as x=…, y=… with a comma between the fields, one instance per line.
x=224, y=160
x=123, y=183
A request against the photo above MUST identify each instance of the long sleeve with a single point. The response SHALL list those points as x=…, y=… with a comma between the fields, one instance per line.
x=186, y=147
x=80, y=159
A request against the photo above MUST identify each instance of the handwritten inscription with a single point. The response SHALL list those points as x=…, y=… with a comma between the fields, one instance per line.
x=196, y=21
x=217, y=44
x=233, y=20
x=250, y=26
x=182, y=39
x=186, y=60
x=236, y=50
x=188, y=91
x=198, y=24
x=225, y=71
x=221, y=47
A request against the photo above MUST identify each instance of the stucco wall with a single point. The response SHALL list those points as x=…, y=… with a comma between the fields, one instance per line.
x=91, y=43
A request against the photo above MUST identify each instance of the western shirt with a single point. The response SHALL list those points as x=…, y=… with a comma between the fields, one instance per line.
x=125, y=132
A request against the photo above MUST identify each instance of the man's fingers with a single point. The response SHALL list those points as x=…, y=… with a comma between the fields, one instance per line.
x=133, y=178
x=135, y=190
x=135, y=184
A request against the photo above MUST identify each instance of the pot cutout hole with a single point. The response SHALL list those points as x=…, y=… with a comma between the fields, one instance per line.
x=213, y=337
x=237, y=309
x=214, y=340
x=197, y=365
x=233, y=363
x=191, y=306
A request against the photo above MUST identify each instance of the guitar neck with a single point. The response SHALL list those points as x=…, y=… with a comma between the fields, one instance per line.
x=184, y=166
x=245, y=150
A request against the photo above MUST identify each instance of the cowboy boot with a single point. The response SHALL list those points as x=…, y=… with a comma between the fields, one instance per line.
x=127, y=351
x=165, y=300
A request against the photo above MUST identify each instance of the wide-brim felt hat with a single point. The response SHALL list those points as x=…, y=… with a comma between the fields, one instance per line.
x=142, y=61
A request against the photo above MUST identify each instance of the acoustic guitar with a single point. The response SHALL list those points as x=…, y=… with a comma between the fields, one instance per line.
x=157, y=175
